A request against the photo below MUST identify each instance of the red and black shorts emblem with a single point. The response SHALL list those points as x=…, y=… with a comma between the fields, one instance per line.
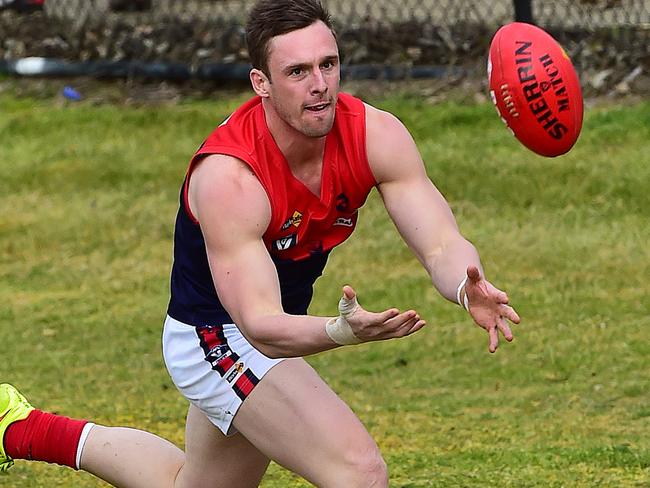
x=222, y=359
x=216, y=348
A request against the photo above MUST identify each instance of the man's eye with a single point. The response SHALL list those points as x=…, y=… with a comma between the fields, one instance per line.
x=296, y=71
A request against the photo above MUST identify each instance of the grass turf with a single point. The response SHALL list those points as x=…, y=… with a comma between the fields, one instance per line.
x=89, y=194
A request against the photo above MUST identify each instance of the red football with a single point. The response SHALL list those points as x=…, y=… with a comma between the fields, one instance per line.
x=535, y=88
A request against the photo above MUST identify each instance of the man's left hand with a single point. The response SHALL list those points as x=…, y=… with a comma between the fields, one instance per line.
x=489, y=307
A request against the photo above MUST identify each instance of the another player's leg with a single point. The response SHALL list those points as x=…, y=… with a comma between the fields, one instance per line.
x=125, y=457
x=294, y=418
x=134, y=459
x=122, y=456
x=131, y=458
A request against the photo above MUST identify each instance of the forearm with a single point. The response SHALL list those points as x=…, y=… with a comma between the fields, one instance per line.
x=433, y=234
x=285, y=335
x=447, y=267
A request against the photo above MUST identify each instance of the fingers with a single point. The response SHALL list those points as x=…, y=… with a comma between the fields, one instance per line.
x=348, y=303
x=509, y=313
x=494, y=339
x=408, y=327
x=377, y=325
x=388, y=314
x=503, y=326
x=401, y=325
x=348, y=292
x=473, y=274
x=416, y=326
x=399, y=320
x=489, y=307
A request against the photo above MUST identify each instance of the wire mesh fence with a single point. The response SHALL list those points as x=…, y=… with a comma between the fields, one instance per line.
x=587, y=13
x=598, y=34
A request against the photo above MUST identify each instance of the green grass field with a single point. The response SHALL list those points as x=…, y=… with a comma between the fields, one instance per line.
x=88, y=198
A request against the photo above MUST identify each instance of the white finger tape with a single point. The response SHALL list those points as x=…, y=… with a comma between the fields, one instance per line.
x=347, y=306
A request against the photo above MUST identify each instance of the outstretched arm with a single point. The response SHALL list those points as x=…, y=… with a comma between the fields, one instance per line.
x=426, y=223
x=234, y=212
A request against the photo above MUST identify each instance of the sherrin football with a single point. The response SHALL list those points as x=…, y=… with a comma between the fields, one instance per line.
x=535, y=88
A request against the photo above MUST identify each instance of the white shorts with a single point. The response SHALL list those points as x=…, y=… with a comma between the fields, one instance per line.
x=214, y=367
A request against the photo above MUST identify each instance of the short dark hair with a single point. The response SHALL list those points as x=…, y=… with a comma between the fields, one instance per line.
x=270, y=18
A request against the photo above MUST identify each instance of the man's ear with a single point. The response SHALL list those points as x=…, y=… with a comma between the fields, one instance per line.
x=260, y=82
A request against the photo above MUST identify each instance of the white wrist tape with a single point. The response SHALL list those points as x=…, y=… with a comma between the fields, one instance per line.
x=338, y=329
x=465, y=301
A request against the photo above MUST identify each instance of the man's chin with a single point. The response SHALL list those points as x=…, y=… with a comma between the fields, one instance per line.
x=316, y=134
x=318, y=130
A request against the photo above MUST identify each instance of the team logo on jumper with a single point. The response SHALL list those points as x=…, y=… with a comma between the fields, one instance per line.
x=342, y=203
x=285, y=243
x=236, y=370
x=344, y=221
x=295, y=220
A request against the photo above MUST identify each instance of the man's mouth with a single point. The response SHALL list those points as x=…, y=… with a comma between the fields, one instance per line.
x=317, y=107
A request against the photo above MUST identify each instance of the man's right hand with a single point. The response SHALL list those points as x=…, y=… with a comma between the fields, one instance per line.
x=377, y=326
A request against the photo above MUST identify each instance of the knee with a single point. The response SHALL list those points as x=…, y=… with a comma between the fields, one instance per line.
x=366, y=468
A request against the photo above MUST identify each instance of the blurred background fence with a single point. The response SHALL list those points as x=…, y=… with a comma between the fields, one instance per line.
x=608, y=40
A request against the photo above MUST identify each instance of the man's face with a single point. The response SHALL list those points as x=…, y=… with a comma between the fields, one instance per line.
x=305, y=73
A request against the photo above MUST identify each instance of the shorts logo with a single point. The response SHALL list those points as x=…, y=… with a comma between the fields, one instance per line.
x=217, y=354
x=239, y=367
x=295, y=220
x=225, y=361
x=285, y=243
x=216, y=348
x=344, y=221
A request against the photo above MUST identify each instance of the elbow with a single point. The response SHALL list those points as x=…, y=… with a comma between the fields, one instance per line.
x=260, y=338
x=270, y=351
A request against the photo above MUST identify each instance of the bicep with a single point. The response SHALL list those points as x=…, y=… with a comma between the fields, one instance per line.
x=419, y=210
x=234, y=212
x=245, y=279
